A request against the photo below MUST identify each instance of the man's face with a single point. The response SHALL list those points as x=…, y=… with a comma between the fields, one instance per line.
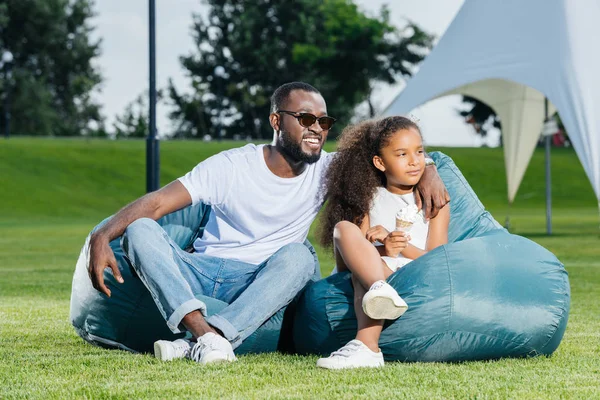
x=296, y=141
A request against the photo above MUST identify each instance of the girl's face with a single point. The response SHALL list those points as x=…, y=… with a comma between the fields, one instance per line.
x=402, y=160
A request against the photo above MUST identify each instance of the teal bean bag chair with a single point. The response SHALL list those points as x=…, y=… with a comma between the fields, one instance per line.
x=129, y=319
x=487, y=294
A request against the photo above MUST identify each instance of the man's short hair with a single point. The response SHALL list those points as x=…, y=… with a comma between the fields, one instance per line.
x=281, y=94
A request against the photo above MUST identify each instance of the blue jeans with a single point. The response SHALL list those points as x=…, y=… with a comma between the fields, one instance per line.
x=254, y=292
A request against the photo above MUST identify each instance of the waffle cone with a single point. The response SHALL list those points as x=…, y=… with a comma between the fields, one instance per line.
x=402, y=225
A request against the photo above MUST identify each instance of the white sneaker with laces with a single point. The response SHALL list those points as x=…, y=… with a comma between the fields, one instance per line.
x=166, y=350
x=355, y=354
x=212, y=348
x=383, y=302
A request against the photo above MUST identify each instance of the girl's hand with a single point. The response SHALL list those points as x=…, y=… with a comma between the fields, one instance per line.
x=377, y=234
x=395, y=243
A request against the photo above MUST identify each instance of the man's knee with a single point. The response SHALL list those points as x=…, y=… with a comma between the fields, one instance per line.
x=296, y=260
x=140, y=226
x=139, y=231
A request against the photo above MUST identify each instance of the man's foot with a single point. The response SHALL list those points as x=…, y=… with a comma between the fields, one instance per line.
x=212, y=348
x=166, y=350
x=353, y=355
x=383, y=302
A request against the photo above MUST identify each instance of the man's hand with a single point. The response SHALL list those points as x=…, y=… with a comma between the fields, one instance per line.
x=153, y=205
x=377, y=234
x=431, y=194
x=395, y=243
x=101, y=256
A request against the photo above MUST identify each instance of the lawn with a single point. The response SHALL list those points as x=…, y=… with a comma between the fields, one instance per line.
x=54, y=191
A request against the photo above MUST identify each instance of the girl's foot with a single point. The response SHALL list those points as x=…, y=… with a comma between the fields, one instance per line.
x=383, y=302
x=355, y=354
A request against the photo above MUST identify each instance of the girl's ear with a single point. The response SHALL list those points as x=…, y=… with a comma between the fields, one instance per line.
x=378, y=163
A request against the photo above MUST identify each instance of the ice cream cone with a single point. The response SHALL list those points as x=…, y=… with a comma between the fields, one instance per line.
x=402, y=225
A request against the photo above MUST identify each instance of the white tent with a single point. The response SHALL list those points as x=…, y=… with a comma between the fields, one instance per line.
x=521, y=110
x=510, y=54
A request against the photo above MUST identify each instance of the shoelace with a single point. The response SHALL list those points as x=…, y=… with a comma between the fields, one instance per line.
x=347, y=350
x=199, y=348
x=183, y=347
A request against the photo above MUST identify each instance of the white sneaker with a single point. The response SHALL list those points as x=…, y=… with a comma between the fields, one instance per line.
x=355, y=354
x=383, y=302
x=212, y=348
x=165, y=350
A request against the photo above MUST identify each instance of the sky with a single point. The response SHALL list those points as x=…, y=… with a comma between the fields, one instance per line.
x=123, y=28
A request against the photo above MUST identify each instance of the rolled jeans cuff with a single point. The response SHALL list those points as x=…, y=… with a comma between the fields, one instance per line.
x=228, y=330
x=191, y=305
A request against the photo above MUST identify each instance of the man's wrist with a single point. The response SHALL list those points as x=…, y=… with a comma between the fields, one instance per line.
x=98, y=237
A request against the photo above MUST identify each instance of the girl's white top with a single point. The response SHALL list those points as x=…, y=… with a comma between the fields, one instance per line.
x=385, y=207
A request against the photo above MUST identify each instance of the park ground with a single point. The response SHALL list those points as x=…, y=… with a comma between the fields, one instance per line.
x=53, y=191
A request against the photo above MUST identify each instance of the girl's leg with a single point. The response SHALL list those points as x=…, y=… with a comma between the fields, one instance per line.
x=355, y=253
x=369, y=329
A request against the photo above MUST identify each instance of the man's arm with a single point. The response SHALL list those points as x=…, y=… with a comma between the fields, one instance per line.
x=431, y=194
x=153, y=205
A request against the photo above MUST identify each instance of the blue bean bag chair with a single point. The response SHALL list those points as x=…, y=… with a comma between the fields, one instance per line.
x=487, y=294
x=129, y=319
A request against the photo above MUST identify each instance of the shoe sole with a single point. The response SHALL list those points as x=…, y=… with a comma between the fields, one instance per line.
x=350, y=366
x=216, y=359
x=162, y=352
x=383, y=307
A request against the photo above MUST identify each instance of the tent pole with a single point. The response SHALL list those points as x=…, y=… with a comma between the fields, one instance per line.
x=507, y=220
x=547, y=143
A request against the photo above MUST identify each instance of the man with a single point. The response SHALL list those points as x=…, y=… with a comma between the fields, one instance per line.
x=263, y=200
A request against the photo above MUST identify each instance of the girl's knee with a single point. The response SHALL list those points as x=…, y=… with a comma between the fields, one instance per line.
x=344, y=228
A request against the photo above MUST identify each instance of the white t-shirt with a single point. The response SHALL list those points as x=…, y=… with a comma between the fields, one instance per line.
x=383, y=212
x=254, y=212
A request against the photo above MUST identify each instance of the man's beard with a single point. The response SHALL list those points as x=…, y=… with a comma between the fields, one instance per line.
x=294, y=150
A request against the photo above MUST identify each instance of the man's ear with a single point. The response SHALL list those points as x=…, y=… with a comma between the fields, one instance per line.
x=275, y=121
x=378, y=163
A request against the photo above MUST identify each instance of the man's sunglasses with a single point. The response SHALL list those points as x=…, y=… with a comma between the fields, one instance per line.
x=307, y=120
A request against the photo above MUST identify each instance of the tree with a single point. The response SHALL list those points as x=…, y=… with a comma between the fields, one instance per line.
x=189, y=111
x=52, y=76
x=481, y=116
x=245, y=49
x=135, y=122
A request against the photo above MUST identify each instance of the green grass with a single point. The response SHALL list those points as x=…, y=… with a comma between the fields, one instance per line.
x=54, y=191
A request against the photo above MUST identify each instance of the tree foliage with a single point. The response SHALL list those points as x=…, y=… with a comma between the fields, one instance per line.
x=481, y=116
x=52, y=76
x=245, y=49
x=134, y=122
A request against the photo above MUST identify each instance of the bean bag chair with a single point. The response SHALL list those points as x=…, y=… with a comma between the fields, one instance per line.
x=129, y=319
x=487, y=294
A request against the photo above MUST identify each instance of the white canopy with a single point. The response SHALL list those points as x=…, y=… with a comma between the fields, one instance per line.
x=521, y=110
x=509, y=54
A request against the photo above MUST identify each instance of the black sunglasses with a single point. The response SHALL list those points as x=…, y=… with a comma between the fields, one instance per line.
x=307, y=120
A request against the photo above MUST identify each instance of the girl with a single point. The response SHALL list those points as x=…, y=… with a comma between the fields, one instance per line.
x=370, y=183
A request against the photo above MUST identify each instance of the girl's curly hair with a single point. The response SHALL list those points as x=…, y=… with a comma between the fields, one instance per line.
x=352, y=179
